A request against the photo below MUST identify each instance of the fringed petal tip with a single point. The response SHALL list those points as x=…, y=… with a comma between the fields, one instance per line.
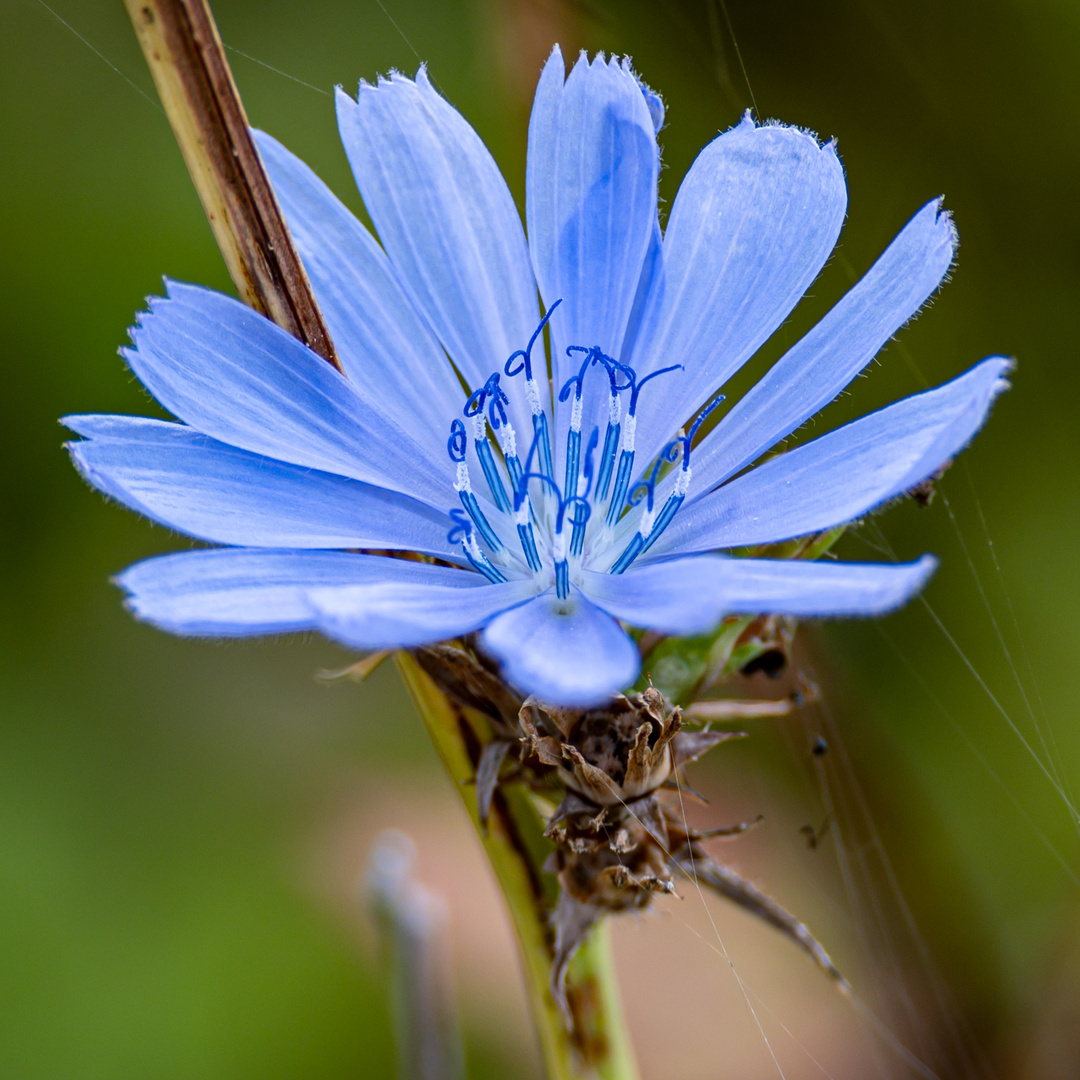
x=183, y=293
x=1006, y=369
x=653, y=100
x=79, y=423
x=887, y=594
x=749, y=123
x=946, y=226
x=392, y=78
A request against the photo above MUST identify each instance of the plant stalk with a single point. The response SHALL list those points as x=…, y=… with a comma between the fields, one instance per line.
x=596, y=1045
x=180, y=41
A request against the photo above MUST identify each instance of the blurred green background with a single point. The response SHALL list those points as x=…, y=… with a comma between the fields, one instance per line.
x=180, y=823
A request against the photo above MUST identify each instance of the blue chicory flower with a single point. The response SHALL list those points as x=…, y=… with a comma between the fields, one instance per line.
x=559, y=506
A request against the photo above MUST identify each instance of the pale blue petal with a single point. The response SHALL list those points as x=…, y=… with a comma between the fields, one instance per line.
x=590, y=201
x=651, y=280
x=387, y=350
x=232, y=374
x=566, y=652
x=815, y=370
x=401, y=615
x=842, y=475
x=446, y=218
x=691, y=596
x=751, y=227
x=188, y=481
x=240, y=592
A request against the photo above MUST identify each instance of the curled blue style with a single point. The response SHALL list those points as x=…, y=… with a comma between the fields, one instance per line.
x=458, y=444
x=638, y=384
x=685, y=441
x=462, y=527
x=577, y=382
x=526, y=353
x=492, y=395
x=646, y=489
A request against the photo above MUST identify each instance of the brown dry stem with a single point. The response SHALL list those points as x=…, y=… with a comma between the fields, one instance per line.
x=184, y=52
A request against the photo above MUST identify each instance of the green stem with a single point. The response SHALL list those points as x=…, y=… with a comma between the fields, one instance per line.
x=597, y=1047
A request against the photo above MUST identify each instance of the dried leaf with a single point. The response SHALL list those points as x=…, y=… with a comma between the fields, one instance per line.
x=487, y=776
x=749, y=897
x=691, y=745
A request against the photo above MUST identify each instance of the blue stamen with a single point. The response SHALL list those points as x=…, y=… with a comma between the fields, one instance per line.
x=491, y=473
x=542, y=439
x=633, y=549
x=614, y=427
x=607, y=459
x=640, y=543
x=586, y=477
x=577, y=382
x=562, y=579
x=479, y=561
x=528, y=545
x=622, y=484
x=645, y=489
x=577, y=502
x=472, y=508
x=513, y=467
x=663, y=520
x=562, y=566
x=626, y=459
x=587, y=470
x=521, y=487
x=577, y=537
x=573, y=450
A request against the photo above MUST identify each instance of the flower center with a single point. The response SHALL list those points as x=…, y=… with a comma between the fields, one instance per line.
x=529, y=522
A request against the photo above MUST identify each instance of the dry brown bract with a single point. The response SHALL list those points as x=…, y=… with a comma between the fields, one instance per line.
x=616, y=841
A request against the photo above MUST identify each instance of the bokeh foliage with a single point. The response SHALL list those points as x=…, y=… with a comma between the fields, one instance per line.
x=154, y=794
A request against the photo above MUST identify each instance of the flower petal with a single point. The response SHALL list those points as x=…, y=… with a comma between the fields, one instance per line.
x=394, y=615
x=590, y=201
x=565, y=652
x=652, y=278
x=842, y=475
x=446, y=218
x=232, y=374
x=691, y=596
x=819, y=366
x=240, y=592
x=751, y=227
x=188, y=481
x=387, y=350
